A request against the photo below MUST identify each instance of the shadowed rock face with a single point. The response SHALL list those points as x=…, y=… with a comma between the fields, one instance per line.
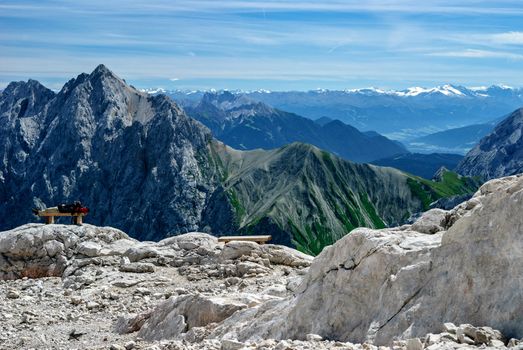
x=109, y=145
x=380, y=285
x=498, y=154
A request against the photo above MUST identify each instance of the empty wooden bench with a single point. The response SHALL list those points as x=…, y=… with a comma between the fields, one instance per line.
x=257, y=239
x=49, y=217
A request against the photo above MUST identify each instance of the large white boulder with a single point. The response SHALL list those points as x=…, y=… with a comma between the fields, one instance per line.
x=381, y=285
x=37, y=250
x=177, y=315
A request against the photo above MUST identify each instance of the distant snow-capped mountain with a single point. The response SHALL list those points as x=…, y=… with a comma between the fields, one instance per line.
x=447, y=90
x=402, y=115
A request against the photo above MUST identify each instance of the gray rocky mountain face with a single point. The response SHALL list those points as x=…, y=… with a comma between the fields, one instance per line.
x=498, y=154
x=105, y=143
x=19, y=125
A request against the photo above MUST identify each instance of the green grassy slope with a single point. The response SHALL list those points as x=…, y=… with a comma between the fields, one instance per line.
x=309, y=198
x=448, y=185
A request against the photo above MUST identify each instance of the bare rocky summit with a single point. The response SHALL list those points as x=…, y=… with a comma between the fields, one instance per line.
x=449, y=281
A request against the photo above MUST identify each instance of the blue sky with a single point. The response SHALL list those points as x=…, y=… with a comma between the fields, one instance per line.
x=276, y=45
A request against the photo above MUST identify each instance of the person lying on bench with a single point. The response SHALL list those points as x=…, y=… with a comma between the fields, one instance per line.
x=72, y=208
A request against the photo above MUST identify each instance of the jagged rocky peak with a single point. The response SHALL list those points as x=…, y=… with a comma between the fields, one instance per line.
x=235, y=105
x=107, y=98
x=438, y=175
x=111, y=98
x=104, y=142
x=22, y=99
x=22, y=88
x=498, y=154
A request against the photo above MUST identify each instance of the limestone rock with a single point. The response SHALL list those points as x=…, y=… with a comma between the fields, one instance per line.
x=282, y=255
x=414, y=344
x=13, y=294
x=431, y=222
x=131, y=323
x=179, y=314
x=228, y=344
x=235, y=249
x=250, y=268
x=378, y=285
x=137, y=267
x=313, y=337
x=89, y=249
x=141, y=252
x=450, y=327
x=195, y=240
x=36, y=250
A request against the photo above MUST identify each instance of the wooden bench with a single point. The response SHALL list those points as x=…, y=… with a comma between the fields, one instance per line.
x=257, y=239
x=49, y=217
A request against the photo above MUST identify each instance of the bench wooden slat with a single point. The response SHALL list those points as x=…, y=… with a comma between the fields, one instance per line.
x=49, y=217
x=258, y=239
x=61, y=214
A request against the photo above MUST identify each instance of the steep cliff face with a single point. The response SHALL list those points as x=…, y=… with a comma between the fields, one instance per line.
x=21, y=122
x=498, y=154
x=143, y=166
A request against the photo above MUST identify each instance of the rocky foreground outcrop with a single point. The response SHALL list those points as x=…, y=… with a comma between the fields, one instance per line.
x=450, y=280
x=462, y=266
x=64, y=286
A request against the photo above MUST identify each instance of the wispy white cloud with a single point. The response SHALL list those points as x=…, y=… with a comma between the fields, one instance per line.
x=380, y=41
x=515, y=38
x=466, y=7
x=473, y=53
x=174, y=79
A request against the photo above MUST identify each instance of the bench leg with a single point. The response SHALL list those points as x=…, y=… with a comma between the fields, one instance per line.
x=77, y=220
x=49, y=220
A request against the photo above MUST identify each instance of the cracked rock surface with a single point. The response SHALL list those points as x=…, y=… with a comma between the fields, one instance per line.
x=381, y=285
x=65, y=287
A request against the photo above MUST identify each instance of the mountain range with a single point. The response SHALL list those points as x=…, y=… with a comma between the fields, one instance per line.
x=402, y=115
x=243, y=123
x=142, y=165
